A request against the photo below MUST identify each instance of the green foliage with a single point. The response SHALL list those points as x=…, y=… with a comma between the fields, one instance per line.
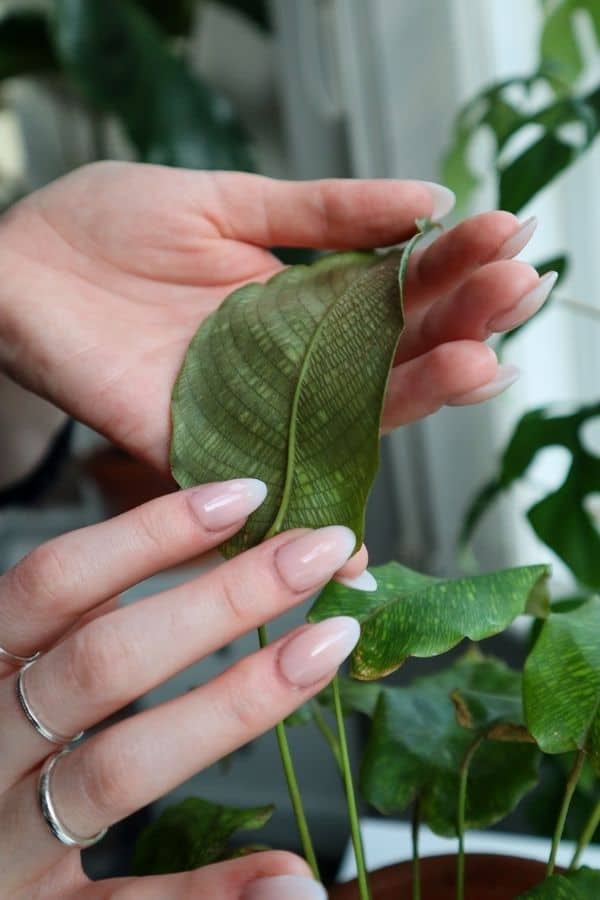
x=286, y=382
x=560, y=519
x=581, y=885
x=192, y=833
x=417, y=747
x=561, y=683
x=118, y=57
x=25, y=44
x=411, y=614
x=559, y=44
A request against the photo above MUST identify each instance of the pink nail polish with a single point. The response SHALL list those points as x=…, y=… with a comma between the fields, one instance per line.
x=443, y=199
x=526, y=307
x=218, y=506
x=285, y=887
x=362, y=582
x=312, y=559
x=505, y=376
x=517, y=241
x=317, y=651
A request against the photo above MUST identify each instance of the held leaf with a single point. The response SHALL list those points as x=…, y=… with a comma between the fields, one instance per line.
x=581, y=885
x=192, y=833
x=411, y=614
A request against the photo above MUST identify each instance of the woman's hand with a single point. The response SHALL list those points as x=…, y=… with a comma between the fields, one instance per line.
x=99, y=658
x=106, y=274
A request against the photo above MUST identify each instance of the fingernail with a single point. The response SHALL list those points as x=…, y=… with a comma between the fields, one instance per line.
x=285, y=887
x=526, y=307
x=318, y=650
x=314, y=558
x=219, y=505
x=362, y=582
x=505, y=376
x=443, y=199
x=517, y=241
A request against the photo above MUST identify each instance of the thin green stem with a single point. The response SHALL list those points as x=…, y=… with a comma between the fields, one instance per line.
x=292, y=783
x=586, y=836
x=564, y=809
x=328, y=734
x=363, y=883
x=416, y=862
x=461, y=816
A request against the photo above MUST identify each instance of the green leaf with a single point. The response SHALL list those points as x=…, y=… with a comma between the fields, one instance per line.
x=122, y=63
x=192, y=833
x=411, y=614
x=581, y=885
x=175, y=17
x=558, y=264
x=417, y=747
x=560, y=519
x=561, y=683
x=559, y=42
x=285, y=382
x=499, y=717
x=25, y=45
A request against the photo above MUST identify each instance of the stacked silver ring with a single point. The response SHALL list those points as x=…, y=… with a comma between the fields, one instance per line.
x=16, y=660
x=53, y=736
x=60, y=831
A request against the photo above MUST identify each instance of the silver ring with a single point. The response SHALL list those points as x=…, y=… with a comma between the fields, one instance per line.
x=16, y=660
x=60, y=831
x=53, y=736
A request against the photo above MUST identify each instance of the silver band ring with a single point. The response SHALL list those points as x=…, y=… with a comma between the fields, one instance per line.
x=14, y=659
x=60, y=831
x=53, y=736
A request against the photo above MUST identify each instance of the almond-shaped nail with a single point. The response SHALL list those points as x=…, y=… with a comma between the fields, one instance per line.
x=285, y=887
x=318, y=651
x=218, y=506
x=526, y=307
x=505, y=376
x=517, y=241
x=443, y=199
x=362, y=582
x=312, y=559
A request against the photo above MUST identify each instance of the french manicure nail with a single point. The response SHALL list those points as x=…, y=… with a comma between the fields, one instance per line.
x=505, y=376
x=517, y=241
x=318, y=650
x=290, y=887
x=220, y=505
x=443, y=199
x=526, y=307
x=312, y=559
x=362, y=582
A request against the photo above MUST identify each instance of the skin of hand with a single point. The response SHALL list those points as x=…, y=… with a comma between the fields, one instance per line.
x=106, y=274
x=98, y=658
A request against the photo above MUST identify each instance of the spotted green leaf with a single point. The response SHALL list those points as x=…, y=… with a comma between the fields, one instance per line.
x=416, y=747
x=192, y=833
x=496, y=715
x=581, y=885
x=411, y=614
x=561, y=683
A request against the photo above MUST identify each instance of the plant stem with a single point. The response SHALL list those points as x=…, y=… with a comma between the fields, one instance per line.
x=363, y=883
x=586, y=835
x=564, y=809
x=292, y=783
x=416, y=863
x=327, y=732
x=461, y=815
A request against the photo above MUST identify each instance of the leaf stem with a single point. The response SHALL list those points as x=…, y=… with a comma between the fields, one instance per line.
x=328, y=734
x=564, y=809
x=461, y=815
x=363, y=883
x=292, y=783
x=586, y=835
x=416, y=863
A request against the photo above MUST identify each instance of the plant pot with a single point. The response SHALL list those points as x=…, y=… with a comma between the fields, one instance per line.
x=487, y=877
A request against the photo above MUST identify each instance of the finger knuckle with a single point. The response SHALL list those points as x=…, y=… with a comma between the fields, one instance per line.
x=247, y=702
x=42, y=578
x=99, y=661
x=106, y=777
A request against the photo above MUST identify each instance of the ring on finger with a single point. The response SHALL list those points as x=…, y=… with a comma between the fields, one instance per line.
x=48, y=810
x=14, y=659
x=53, y=736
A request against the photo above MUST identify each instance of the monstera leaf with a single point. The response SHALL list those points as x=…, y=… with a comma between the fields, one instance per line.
x=417, y=747
x=581, y=885
x=285, y=382
x=121, y=61
x=411, y=614
x=561, y=519
x=192, y=833
x=560, y=45
x=561, y=683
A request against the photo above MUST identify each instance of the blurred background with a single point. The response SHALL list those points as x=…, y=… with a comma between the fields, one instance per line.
x=296, y=89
